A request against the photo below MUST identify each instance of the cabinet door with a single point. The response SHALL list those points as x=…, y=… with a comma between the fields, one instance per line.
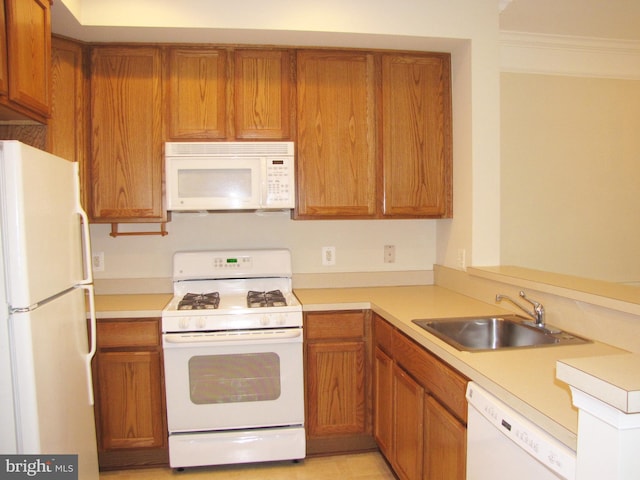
x=197, y=94
x=408, y=417
x=29, y=53
x=4, y=80
x=65, y=130
x=416, y=135
x=262, y=91
x=130, y=406
x=336, y=388
x=336, y=135
x=126, y=164
x=383, y=401
x=445, y=444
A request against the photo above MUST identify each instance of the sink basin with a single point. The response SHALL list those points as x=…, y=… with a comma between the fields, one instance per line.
x=495, y=333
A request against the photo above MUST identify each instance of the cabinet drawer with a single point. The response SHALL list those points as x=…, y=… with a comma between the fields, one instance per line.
x=442, y=381
x=331, y=325
x=383, y=334
x=128, y=333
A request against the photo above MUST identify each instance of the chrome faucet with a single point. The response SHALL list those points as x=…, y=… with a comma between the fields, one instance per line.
x=538, y=310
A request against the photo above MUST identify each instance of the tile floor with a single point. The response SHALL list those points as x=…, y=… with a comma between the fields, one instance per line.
x=363, y=466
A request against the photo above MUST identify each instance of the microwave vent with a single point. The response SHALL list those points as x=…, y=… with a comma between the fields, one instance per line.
x=228, y=149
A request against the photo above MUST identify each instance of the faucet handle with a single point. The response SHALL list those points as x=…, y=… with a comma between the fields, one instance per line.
x=538, y=308
x=532, y=302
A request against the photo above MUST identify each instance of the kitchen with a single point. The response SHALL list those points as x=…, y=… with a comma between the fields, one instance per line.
x=144, y=261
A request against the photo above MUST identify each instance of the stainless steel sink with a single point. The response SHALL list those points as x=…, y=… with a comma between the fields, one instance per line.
x=495, y=333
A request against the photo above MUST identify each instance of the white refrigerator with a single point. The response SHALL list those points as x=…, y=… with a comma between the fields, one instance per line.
x=46, y=342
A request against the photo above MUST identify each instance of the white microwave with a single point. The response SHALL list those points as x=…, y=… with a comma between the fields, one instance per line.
x=229, y=175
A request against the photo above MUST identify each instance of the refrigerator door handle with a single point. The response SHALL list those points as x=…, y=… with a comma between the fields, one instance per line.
x=86, y=239
x=92, y=336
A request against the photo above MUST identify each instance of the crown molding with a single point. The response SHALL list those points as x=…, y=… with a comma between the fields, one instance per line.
x=570, y=56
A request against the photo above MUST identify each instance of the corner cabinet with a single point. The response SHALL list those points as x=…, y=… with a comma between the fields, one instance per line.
x=337, y=383
x=125, y=166
x=25, y=48
x=130, y=403
x=419, y=408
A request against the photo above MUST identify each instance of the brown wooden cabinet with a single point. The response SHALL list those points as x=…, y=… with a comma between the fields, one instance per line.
x=337, y=383
x=416, y=135
x=263, y=94
x=408, y=425
x=228, y=94
x=125, y=172
x=424, y=436
x=129, y=393
x=197, y=93
x=66, y=128
x=445, y=443
x=336, y=150
x=25, y=87
x=374, y=135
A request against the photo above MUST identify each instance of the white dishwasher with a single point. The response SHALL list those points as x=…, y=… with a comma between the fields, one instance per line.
x=503, y=445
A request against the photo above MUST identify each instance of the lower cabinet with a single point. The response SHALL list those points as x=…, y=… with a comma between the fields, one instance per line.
x=419, y=408
x=337, y=382
x=129, y=394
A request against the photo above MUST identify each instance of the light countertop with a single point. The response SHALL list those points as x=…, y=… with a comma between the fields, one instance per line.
x=524, y=379
x=131, y=306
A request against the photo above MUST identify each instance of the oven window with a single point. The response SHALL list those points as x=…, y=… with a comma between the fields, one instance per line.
x=242, y=377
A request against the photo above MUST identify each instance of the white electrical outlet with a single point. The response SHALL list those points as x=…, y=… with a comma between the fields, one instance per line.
x=462, y=260
x=97, y=261
x=328, y=256
x=389, y=253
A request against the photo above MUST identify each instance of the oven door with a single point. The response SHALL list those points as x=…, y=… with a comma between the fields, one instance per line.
x=233, y=380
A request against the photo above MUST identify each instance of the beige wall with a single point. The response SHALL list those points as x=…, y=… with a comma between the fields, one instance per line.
x=571, y=175
x=468, y=29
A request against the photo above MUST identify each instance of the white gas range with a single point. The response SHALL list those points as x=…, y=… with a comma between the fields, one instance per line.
x=232, y=338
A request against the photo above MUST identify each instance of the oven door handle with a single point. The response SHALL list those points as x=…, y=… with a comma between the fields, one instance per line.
x=292, y=335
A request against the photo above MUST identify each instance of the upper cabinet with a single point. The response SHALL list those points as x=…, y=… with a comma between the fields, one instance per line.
x=228, y=94
x=197, y=94
x=125, y=166
x=416, y=135
x=25, y=67
x=374, y=135
x=66, y=128
x=336, y=121
x=263, y=104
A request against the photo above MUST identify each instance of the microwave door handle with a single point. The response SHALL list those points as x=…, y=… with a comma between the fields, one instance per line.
x=264, y=182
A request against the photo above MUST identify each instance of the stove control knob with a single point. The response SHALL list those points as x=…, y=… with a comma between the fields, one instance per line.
x=183, y=323
x=201, y=322
x=282, y=319
x=264, y=320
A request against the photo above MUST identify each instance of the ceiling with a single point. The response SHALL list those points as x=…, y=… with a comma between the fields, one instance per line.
x=607, y=19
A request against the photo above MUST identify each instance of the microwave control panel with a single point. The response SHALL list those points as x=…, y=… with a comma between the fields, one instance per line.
x=280, y=183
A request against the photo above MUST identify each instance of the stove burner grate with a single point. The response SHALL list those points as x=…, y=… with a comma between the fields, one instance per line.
x=199, y=301
x=273, y=298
